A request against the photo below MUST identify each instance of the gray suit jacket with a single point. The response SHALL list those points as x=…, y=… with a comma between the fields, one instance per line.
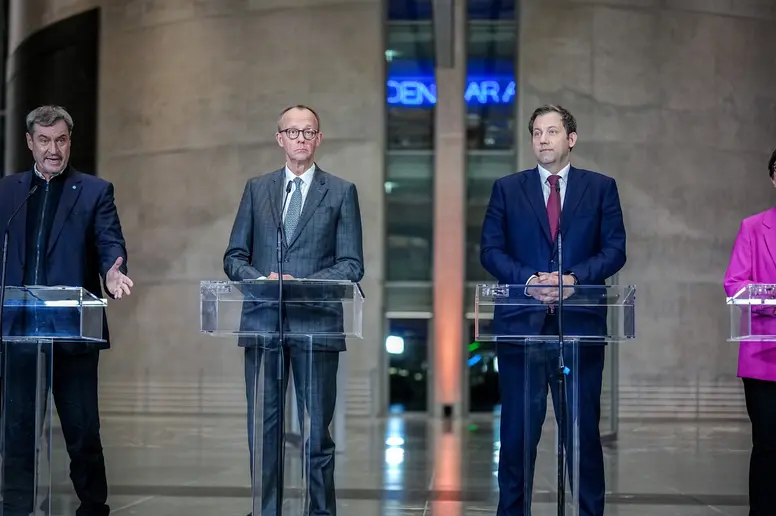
x=327, y=244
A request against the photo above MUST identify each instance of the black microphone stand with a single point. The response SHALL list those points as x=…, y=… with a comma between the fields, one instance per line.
x=281, y=430
x=562, y=371
x=3, y=354
x=3, y=350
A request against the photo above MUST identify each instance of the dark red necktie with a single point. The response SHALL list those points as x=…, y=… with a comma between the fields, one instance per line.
x=553, y=205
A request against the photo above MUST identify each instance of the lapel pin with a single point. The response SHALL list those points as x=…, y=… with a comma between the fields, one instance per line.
x=73, y=187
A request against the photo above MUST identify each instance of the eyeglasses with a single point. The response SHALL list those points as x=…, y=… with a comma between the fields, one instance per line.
x=292, y=133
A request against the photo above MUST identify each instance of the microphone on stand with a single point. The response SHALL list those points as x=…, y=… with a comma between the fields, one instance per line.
x=3, y=354
x=5, y=257
x=563, y=371
x=281, y=246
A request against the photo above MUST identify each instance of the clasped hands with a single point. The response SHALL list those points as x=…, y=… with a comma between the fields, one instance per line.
x=274, y=275
x=544, y=287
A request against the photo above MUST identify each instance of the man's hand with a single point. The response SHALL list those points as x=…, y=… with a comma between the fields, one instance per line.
x=552, y=279
x=543, y=291
x=117, y=283
x=274, y=275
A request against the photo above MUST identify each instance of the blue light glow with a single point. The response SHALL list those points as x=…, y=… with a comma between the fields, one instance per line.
x=420, y=91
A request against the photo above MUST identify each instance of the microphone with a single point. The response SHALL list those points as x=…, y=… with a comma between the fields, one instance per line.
x=281, y=244
x=563, y=370
x=3, y=358
x=5, y=255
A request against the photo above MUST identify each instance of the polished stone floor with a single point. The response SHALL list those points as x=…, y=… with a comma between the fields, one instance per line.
x=409, y=465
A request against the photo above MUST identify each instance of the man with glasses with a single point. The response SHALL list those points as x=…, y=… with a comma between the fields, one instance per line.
x=321, y=222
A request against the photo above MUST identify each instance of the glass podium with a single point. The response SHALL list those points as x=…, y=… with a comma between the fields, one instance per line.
x=33, y=320
x=753, y=316
x=318, y=315
x=546, y=347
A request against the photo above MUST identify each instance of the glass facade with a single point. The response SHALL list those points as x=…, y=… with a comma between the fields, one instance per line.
x=410, y=103
x=410, y=98
x=490, y=117
x=410, y=87
x=407, y=348
x=409, y=10
x=409, y=216
x=491, y=9
x=491, y=91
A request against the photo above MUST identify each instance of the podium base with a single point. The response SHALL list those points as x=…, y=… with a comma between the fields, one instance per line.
x=26, y=444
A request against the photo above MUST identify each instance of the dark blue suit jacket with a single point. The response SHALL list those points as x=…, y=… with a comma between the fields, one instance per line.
x=516, y=244
x=85, y=241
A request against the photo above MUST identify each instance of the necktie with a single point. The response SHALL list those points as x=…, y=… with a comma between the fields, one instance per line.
x=553, y=206
x=294, y=210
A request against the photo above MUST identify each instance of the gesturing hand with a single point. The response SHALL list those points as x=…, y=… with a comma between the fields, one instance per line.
x=117, y=283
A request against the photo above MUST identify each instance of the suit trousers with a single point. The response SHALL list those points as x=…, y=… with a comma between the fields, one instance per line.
x=315, y=382
x=761, y=406
x=525, y=372
x=74, y=390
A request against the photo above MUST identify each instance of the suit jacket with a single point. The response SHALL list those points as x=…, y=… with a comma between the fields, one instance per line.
x=85, y=240
x=516, y=244
x=753, y=260
x=327, y=244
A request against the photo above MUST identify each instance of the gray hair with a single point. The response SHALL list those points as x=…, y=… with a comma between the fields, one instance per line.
x=299, y=106
x=46, y=116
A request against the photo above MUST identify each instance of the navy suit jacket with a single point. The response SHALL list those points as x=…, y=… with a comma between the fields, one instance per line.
x=516, y=244
x=85, y=241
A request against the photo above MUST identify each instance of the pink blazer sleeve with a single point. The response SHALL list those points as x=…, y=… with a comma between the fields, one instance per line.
x=740, y=269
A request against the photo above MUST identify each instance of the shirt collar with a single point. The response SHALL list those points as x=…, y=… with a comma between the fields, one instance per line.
x=37, y=173
x=563, y=174
x=307, y=177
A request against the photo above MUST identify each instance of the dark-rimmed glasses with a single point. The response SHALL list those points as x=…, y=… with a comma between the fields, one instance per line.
x=292, y=133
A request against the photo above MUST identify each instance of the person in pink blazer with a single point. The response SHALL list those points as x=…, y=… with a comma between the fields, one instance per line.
x=753, y=260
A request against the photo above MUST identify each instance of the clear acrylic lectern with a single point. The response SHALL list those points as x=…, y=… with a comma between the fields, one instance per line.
x=753, y=315
x=542, y=348
x=318, y=315
x=33, y=319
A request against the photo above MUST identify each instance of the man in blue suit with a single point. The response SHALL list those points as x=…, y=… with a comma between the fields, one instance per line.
x=520, y=246
x=68, y=233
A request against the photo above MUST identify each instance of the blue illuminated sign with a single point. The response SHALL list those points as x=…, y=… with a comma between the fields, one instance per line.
x=421, y=91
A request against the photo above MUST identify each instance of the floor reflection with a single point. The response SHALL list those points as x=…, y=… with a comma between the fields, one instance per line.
x=410, y=464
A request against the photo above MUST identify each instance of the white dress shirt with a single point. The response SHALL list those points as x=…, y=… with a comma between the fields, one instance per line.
x=307, y=180
x=544, y=175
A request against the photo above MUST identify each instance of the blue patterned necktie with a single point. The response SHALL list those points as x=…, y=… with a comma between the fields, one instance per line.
x=294, y=210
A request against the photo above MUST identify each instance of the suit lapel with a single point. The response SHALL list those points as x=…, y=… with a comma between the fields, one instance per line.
x=20, y=193
x=315, y=194
x=70, y=193
x=532, y=186
x=769, y=221
x=276, y=195
x=575, y=189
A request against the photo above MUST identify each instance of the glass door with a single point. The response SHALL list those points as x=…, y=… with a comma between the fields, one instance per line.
x=407, y=344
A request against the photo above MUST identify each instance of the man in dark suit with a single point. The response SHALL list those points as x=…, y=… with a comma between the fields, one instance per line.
x=321, y=222
x=68, y=234
x=520, y=246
